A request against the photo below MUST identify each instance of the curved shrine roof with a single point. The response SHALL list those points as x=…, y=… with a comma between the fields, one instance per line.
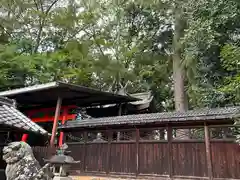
x=10, y=117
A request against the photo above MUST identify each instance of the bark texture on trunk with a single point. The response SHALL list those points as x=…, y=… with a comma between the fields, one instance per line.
x=180, y=96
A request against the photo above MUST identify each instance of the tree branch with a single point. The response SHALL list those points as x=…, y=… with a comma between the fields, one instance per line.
x=50, y=7
x=42, y=23
x=94, y=38
x=3, y=28
x=78, y=31
x=35, y=2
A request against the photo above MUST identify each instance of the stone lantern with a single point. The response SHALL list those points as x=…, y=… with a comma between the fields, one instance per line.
x=61, y=163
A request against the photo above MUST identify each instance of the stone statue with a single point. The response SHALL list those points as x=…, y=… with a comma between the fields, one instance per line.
x=22, y=165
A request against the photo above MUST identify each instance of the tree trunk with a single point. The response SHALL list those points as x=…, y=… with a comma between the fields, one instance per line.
x=180, y=97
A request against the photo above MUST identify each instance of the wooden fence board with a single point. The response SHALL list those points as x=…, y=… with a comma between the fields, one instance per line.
x=77, y=151
x=123, y=158
x=153, y=158
x=225, y=159
x=96, y=156
x=189, y=159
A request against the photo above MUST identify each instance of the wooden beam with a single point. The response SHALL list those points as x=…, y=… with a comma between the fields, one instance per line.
x=120, y=110
x=109, y=133
x=119, y=114
x=208, y=151
x=55, y=123
x=170, y=154
x=137, y=151
x=85, y=136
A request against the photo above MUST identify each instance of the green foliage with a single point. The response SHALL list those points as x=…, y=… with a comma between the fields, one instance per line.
x=212, y=25
x=231, y=63
x=106, y=44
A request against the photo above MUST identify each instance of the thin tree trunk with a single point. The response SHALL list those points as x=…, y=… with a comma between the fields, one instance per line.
x=180, y=97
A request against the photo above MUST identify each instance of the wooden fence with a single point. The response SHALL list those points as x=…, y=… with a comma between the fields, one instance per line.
x=209, y=153
x=188, y=159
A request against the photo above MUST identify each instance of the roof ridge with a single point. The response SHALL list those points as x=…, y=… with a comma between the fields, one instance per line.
x=7, y=101
x=172, y=112
x=192, y=115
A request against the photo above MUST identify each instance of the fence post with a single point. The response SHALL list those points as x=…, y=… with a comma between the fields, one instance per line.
x=109, y=133
x=170, y=154
x=84, y=150
x=137, y=151
x=208, y=151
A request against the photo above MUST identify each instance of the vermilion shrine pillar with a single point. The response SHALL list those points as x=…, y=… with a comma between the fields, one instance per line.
x=55, y=122
x=64, y=116
x=24, y=137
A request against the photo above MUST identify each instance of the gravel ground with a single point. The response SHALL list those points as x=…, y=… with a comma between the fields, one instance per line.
x=98, y=178
x=114, y=178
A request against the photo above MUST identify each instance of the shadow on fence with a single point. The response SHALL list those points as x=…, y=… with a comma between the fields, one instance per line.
x=138, y=155
x=188, y=159
x=160, y=158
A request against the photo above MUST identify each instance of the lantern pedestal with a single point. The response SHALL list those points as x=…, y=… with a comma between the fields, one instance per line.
x=61, y=163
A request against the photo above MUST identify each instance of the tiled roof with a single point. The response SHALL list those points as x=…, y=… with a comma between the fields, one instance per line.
x=193, y=115
x=70, y=93
x=11, y=117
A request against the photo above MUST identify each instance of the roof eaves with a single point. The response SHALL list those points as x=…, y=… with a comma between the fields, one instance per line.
x=87, y=89
x=222, y=113
x=29, y=89
x=11, y=117
x=31, y=124
x=56, y=84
